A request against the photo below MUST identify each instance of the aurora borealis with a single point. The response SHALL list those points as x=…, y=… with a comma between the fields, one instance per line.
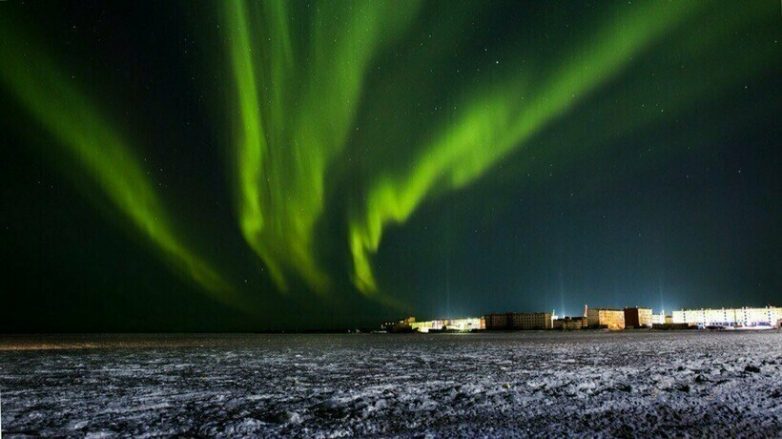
x=102, y=155
x=289, y=164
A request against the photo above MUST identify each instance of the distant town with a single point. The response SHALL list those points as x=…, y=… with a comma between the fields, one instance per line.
x=745, y=318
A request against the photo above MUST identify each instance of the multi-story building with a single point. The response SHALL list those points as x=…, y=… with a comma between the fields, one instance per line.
x=662, y=319
x=519, y=320
x=567, y=323
x=606, y=318
x=730, y=317
x=638, y=317
x=404, y=325
x=532, y=320
x=497, y=321
x=466, y=324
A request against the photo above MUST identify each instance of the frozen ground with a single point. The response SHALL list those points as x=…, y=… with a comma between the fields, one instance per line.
x=646, y=384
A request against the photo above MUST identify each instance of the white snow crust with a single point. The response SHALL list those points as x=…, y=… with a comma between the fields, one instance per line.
x=583, y=384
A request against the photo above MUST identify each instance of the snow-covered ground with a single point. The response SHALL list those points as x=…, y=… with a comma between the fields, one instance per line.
x=646, y=384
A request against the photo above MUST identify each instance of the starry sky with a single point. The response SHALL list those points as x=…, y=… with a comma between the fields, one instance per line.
x=245, y=166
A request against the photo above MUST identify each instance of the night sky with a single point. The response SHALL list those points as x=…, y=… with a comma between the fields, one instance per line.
x=210, y=166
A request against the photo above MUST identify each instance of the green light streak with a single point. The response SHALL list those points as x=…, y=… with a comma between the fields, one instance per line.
x=298, y=74
x=296, y=106
x=497, y=121
x=83, y=133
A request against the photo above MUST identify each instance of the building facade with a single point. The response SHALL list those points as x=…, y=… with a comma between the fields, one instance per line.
x=659, y=319
x=519, y=320
x=570, y=323
x=497, y=321
x=638, y=317
x=404, y=325
x=464, y=325
x=767, y=317
x=606, y=318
